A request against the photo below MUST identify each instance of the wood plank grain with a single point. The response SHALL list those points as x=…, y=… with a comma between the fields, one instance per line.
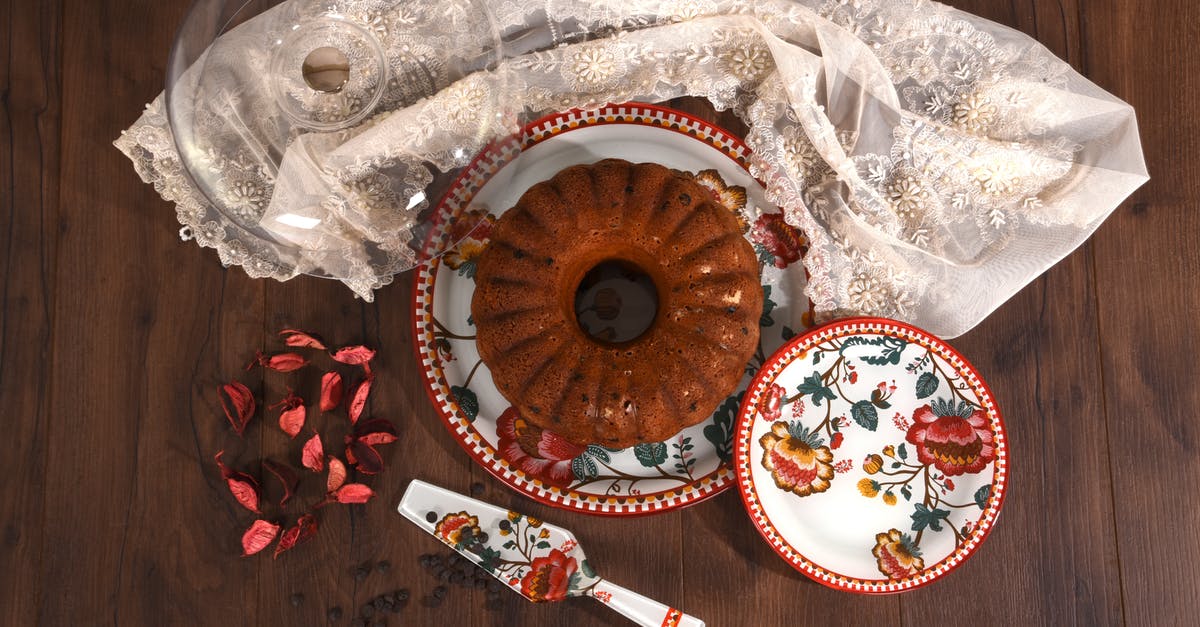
x=142, y=327
x=29, y=156
x=1146, y=268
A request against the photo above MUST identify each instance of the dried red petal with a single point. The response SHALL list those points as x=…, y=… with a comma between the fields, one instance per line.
x=291, y=419
x=281, y=362
x=374, y=425
x=337, y=474
x=300, y=339
x=375, y=439
x=240, y=406
x=313, y=456
x=331, y=391
x=286, y=475
x=258, y=537
x=359, y=400
x=354, y=355
x=306, y=528
x=243, y=487
x=366, y=458
x=354, y=493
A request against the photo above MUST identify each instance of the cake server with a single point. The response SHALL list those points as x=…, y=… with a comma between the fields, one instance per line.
x=540, y=561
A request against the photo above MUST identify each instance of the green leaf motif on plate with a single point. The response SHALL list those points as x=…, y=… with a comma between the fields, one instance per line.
x=927, y=384
x=923, y=517
x=765, y=256
x=542, y=545
x=865, y=415
x=467, y=401
x=467, y=269
x=813, y=386
x=489, y=558
x=586, y=569
x=584, y=468
x=599, y=452
x=902, y=451
x=889, y=355
x=575, y=581
x=720, y=432
x=768, y=307
x=651, y=454
x=789, y=333
x=982, y=495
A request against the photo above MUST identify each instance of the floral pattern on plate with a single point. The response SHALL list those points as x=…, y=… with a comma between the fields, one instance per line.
x=871, y=455
x=519, y=551
x=642, y=479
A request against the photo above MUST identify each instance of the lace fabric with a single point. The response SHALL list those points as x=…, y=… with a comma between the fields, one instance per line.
x=937, y=162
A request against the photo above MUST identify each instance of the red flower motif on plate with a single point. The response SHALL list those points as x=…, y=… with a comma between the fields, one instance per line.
x=534, y=451
x=469, y=235
x=796, y=459
x=549, y=577
x=770, y=404
x=450, y=528
x=785, y=242
x=956, y=439
x=896, y=556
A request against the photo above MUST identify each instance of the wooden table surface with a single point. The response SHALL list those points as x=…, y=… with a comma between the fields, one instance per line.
x=114, y=334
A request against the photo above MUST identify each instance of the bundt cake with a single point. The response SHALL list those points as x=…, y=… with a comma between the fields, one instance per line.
x=642, y=216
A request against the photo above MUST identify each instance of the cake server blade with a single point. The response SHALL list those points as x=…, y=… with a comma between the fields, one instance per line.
x=542, y=562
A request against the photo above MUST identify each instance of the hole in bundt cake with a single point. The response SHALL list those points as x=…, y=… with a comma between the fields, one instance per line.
x=616, y=302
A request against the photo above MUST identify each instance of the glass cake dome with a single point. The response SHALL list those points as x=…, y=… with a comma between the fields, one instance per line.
x=260, y=93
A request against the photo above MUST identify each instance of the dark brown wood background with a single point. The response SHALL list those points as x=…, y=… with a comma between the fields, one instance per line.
x=114, y=334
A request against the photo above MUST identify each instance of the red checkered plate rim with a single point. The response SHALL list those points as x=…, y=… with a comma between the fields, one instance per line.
x=770, y=523
x=485, y=165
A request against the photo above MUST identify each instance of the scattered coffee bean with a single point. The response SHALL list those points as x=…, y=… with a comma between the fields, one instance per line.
x=431, y=517
x=334, y=613
x=439, y=592
x=296, y=599
x=454, y=559
x=362, y=572
x=380, y=603
x=384, y=566
x=402, y=595
x=456, y=578
x=367, y=611
x=426, y=560
x=477, y=489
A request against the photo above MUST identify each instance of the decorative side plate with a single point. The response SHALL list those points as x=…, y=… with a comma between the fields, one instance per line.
x=871, y=456
x=647, y=478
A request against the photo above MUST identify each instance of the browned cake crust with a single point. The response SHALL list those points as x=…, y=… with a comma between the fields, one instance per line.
x=672, y=376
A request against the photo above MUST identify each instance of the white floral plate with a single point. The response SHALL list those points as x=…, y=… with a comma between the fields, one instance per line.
x=871, y=456
x=647, y=478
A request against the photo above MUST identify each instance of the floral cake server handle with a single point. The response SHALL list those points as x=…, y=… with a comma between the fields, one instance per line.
x=541, y=562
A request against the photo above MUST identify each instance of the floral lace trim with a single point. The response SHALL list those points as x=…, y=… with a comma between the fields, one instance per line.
x=910, y=141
